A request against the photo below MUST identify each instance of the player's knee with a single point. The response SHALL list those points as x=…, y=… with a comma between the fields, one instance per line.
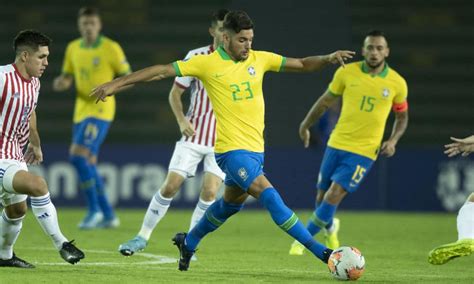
x=78, y=161
x=16, y=210
x=208, y=192
x=37, y=186
x=169, y=189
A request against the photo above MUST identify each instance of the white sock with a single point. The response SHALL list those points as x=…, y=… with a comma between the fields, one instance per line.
x=201, y=207
x=45, y=213
x=9, y=232
x=465, y=221
x=156, y=210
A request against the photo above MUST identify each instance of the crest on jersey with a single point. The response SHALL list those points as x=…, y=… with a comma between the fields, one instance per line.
x=251, y=71
x=16, y=95
x=24, y=115
x=96, y=61
x=243, y=174
x=385, y=92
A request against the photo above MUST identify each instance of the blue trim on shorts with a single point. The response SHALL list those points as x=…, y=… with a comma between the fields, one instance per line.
x=90, y=133
x=241, y=167
x=344, y=168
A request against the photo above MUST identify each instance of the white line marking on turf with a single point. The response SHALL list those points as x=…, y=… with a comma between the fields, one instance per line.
x=152, y=259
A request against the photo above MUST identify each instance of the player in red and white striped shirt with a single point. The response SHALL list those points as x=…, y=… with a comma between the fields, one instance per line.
x=19, y=90
x=197, y=144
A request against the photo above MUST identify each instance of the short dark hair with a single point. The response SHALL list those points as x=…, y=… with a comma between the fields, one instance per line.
x=218, y=15
x=375, y=33
x=30, y=39
x=237, y=21
x=88, y=11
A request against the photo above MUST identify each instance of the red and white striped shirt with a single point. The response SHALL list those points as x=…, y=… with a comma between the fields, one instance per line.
x=200, y=112
x=18, y=99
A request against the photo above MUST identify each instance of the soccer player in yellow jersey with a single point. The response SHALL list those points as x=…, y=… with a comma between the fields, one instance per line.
x=91, y=60
x=464, y=246
x=233, y=76
x=369, y=89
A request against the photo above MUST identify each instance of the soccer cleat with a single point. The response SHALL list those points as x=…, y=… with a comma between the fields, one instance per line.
x=330, y=238
x=70, y=253
x=184, y=254
x=91, y=221
x=132, y=246
x=15, y=262
x=297, y=248
x=109, y=223
x=445, y=253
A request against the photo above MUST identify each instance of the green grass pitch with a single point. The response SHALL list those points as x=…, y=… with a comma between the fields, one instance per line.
x=249, y=248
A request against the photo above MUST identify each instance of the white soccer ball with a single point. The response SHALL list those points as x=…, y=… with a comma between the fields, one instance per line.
x=346, y=263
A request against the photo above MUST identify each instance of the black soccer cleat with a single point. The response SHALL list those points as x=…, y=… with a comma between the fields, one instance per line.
x=70, y=253
x=15, y=262
x=326, y=254
x=184, y=254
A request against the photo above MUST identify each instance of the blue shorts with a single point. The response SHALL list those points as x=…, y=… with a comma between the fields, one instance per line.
x=241, y=167
x=90, y=133
x=344, y=168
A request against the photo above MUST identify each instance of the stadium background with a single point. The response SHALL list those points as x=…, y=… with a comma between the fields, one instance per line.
x=431, y=46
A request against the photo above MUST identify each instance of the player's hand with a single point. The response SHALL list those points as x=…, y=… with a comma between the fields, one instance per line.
x=388, y=148
x=186, y=128
x=103, y=91
x=33, y=155
x=341, y=56
x=461, y=146
x=305, y=135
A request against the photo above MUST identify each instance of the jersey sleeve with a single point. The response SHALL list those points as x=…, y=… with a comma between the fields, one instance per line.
x=402, y=92
x=273, y=62
x=68, y=67
x=193, y=67
x=184, y=82
x=119, y=61
x=337, y=85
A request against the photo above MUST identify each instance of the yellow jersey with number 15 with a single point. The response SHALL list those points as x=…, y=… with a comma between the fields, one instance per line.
x=92, y=66
x=366, y=103
x=235, y=91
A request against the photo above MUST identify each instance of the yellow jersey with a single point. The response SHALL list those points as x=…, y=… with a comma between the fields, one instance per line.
x=235, y=91
x=366, y=103
x=93, y=66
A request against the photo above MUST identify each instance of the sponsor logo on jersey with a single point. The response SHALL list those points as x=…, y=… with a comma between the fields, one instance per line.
x=251, y=71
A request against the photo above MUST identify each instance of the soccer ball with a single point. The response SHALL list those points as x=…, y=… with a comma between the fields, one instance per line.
x=346, y=263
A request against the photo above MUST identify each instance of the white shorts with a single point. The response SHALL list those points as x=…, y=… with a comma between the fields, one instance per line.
x=187, y=156
x=8, y=169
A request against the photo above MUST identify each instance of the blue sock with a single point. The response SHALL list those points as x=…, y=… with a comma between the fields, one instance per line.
x=321, y=218
x=287, y=220
x=87, y=181
x=102, y=199
x=317, y=204
x=213, y=218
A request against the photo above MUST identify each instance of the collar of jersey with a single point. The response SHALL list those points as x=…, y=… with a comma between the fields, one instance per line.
x=96, y=44
x=382, y=74
x=224, y=54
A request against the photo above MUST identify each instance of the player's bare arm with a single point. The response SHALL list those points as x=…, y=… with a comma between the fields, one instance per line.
x=185, y=126
x=399, y=126
x=315, y=63
x=62, y=83
x=463, y=146
x=153, y=73
x=320, y=106
x=34, y=154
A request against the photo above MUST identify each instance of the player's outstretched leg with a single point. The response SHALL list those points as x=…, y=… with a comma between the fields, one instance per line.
x=214, y=217
x=15, y=261
x=156, y=211
x=287, y=220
